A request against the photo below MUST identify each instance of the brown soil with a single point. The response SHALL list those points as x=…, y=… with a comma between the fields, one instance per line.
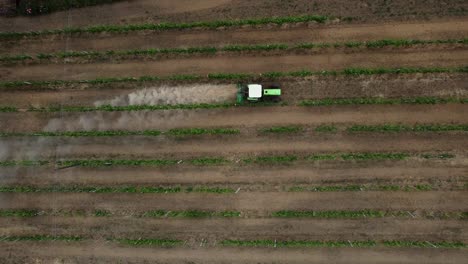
x=234, y=117
x=97, y=253
x=238, y=64
x=141, y=11
x=237, y=146
x=293, y=34
x=398, y=173
x=242, y=201
x=243, y=229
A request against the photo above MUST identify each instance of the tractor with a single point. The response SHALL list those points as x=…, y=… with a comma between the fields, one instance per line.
x=253, y=93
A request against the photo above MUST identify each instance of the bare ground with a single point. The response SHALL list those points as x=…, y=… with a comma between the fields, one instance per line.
x=239, y=64
x=92, y=253
x=242, y=201
x=243, y=229
x=292, y=34
x=233, y=117
x=408, y=173
x=140, y=11
x=236, y=146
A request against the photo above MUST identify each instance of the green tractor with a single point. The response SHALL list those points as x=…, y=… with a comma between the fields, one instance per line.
x=253, y=93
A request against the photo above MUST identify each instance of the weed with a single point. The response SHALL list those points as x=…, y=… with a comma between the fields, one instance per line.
x=331, y=214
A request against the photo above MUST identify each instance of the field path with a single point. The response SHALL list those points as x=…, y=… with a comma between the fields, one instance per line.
x=266, y=201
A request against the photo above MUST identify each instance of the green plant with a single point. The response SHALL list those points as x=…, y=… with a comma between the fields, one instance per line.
x=331, y=214
x=102, y=163
x=242, y=76
x=283, y=129
x=18, y=213
x=374, y=156
x=201, y=131
x=322, y=157
x=167, y=26
x=208, y=161
x=102, y=213
x=272, y=159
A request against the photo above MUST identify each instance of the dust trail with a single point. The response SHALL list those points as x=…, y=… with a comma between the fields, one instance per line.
x=138, y=120
x=193, y=94
x=162, y=95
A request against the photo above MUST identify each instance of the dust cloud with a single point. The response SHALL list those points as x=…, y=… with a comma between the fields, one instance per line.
x=163, y=95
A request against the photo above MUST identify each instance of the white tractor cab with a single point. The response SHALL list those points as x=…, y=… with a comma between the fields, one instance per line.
x=258, y=93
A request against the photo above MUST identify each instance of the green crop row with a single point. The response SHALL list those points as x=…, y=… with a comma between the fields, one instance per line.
x=382, y=101
x=229, y=48
x=241, y=76
x=201, y=131
x=405, y=128
x=219, y=160
x=338, y=188
x=249, y=243
x=229, y=131
x=167, y=26
x=125, y=189
x=272, y=159
x=360, y=156
x=303, y=243
x=18, y=213
x=150, y=242
x=111, y=133
x=282, y=129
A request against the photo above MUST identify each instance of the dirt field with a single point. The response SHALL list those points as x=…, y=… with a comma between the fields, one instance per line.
x=140, y=11
x=376, y=208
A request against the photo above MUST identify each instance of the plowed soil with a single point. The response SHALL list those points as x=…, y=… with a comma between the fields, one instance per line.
x=439, y=213
x=233, y=117
x=105, y=253
x=292, y=34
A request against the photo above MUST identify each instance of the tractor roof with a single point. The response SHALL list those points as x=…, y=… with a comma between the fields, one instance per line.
x=255, y=90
